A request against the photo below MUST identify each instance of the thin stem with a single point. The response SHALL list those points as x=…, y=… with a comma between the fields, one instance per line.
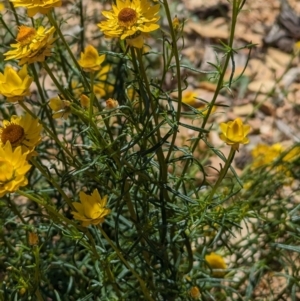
x=39, y=295
x=42, y=96
x=57, y=84
x=220, y=84
x=222, y=174
x=16, y=211
x=119, y=254
x=52, y=181
x=54, y=23
x=15, y=13
x=177, y=60
x=6, y=27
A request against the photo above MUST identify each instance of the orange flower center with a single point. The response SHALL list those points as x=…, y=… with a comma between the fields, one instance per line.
x=127, y=17
x=25, y=34
x=13, y=133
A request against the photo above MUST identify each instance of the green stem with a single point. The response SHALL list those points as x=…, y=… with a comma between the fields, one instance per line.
x=52, y=181
x=222, y=173
x=224, y=68
x=6, y=27
x=177, y=60
x=42, y=96
x=57, y=84
x=15, y=13
x=121, y=257
x=53, y=22
x=39, y=295
x=16, y=211
x=235, y=11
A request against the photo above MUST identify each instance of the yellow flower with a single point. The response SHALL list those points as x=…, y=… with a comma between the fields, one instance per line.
x=195, y=292
x=90, y=60
x=217, y=262
x=91, y=210
x=23, y=131
x=84, y=101
x=2, y=7
x=130, y=20
x=297, y=47
x=13, y=168
x=33, y=238
x=15, y=85
x=189, y=98
x=234, y=133
x=175, y=23
x=32, y=45
x=264, y=154
x=36, y=6
x=60, y=107
x=292, y=155
x=111, y=104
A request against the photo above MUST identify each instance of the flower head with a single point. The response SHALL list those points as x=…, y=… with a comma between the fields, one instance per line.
x=14, y=85
x=292, y=155
x=111, y=103
x=90, y=60
x=60, y=107
x=176, y=23
x=234, y=133
x=32, y=45
x=91, y=210
x=217, y=262
x=84, y=101
x=195, y=293
x=130, y=20
x=264, y=154
x=13, y=168
x=190, y=98
x=23, y=131
x=36, y=6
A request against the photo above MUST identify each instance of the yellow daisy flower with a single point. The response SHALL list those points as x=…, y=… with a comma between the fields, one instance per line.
x=130, y=20
x=13, y=168
x=36, y=6
x=23, y=131
x=14, y=85
x=84, y=101
x=60, y=107
x=264, y=154
x=234, y=133
x=195, y=293
x=90, y=60
x=190, y=98
x=217, y=262
x=91, y=210
x=32, y=45
x=111, y=104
